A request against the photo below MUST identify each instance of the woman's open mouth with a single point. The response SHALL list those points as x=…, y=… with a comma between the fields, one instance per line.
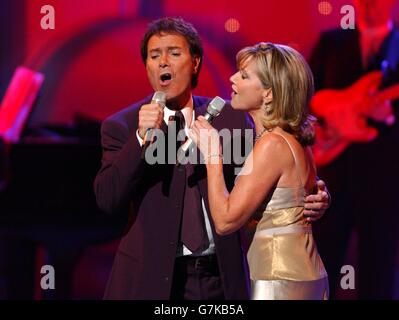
x=233, y=93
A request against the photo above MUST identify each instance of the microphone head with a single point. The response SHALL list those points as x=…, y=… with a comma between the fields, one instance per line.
x=159, y=97
x=215, y=106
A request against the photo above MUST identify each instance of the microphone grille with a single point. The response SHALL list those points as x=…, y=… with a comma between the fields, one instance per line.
x=216, y=106
x=159, y=97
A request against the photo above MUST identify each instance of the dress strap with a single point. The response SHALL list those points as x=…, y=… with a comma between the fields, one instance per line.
x=294, y=156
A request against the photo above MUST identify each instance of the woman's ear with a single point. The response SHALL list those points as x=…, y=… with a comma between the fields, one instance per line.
x=267, y=96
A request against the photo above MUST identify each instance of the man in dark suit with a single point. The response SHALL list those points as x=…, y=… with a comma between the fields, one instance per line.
x=161, y=256
x=363, y=178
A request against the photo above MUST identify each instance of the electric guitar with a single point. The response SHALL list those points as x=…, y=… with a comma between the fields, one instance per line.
x=345, y=113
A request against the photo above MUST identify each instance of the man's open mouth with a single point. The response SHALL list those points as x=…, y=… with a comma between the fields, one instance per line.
x=165, y=78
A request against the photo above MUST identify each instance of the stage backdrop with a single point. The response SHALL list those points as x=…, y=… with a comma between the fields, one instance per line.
x=91, y=59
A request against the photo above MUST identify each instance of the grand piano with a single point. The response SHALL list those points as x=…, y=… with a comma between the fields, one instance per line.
x=47, y=201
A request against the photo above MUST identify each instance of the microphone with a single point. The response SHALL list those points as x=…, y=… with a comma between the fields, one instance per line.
x=160, y=98
x=213, y=110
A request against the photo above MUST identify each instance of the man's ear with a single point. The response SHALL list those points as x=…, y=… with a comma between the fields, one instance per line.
x=267, y=96
x=196, y=63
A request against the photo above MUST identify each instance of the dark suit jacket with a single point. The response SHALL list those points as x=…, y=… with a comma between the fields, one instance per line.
x=152, y=195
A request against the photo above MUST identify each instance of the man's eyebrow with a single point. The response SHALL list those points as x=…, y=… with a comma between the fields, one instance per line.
x=169, y=48
x=174, y=47
x=155, y=50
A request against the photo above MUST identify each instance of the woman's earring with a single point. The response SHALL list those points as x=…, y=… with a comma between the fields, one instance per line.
x=267, y=107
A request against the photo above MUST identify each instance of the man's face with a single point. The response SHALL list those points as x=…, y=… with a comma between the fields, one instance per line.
x=170, y=67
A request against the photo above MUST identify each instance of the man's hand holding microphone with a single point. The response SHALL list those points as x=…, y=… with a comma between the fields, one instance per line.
x=150, y=117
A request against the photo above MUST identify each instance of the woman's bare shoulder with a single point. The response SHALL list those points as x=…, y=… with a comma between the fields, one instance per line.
x=271, y=143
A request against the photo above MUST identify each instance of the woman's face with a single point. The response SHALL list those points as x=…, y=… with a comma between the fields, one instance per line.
x=248, y=91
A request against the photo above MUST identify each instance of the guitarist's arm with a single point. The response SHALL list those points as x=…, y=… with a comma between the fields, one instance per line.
x=345, y=113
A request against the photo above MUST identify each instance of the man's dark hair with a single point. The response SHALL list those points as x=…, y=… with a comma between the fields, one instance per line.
x=172, y=25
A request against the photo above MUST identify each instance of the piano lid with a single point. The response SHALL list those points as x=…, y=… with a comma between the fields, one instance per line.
x=17, y=102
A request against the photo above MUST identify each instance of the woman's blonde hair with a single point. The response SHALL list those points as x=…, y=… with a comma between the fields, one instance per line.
x=286, y=73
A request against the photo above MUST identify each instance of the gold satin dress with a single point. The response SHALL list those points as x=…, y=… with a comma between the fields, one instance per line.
x=283, y=260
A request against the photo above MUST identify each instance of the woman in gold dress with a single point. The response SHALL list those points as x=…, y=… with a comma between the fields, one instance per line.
x=274, y=85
